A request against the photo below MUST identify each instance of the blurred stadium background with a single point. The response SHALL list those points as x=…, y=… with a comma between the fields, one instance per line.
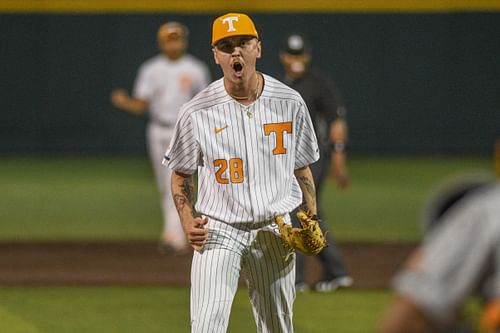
x=420, y=81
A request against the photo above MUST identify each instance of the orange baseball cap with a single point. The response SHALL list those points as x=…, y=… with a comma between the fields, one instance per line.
x=232, y=24
x=173, y=30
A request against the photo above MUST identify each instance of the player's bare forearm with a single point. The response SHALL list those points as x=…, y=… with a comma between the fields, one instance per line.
x=121, y=99
x=403, y=316
x=338, y=139
x=306, y=182
x=339, y=131
x=183, y=194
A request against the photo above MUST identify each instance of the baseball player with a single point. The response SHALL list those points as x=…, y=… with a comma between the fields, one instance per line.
x=163, y=84
x=328, y=116
x=251, y=140
x=460, y=257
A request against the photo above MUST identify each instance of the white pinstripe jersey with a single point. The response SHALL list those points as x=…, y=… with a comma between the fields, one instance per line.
x=245, y=155
x=167, y=84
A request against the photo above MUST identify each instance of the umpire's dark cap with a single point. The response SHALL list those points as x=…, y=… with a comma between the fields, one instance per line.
x=296, y=44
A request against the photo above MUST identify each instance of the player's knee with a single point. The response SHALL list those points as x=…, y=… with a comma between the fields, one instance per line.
x=211, y=317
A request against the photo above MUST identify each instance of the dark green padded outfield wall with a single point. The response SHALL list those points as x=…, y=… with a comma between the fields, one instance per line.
x=412, y=82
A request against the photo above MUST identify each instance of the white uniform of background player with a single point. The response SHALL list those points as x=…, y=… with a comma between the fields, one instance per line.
x=163, y=84
x=250, y=138
x=460, y=257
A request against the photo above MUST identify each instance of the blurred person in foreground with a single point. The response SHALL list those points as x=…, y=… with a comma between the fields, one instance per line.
x=459, y=258
x=327, y=112
x=163, y=84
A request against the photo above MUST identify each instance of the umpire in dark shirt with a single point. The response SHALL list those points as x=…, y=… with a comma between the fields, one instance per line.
x=328, y=115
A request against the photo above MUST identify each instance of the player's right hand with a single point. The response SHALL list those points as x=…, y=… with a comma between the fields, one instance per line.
x=196, y=233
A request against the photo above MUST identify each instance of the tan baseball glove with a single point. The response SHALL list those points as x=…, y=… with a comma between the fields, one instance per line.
x=309, y=239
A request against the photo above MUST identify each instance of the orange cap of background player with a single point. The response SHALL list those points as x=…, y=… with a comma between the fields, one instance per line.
x=232, y=24
x=173, y=30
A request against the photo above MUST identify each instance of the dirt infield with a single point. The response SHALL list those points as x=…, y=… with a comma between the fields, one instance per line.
x=139, y=263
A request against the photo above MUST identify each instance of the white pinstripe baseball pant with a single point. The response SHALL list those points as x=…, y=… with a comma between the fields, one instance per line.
x=259, y=253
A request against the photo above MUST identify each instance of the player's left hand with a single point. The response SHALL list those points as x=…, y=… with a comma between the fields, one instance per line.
x=308, y=239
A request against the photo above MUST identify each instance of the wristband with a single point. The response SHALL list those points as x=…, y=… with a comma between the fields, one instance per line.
x=338, y=147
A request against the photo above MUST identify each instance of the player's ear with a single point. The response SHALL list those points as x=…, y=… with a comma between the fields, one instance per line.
x=215, y=55
x=259, y=49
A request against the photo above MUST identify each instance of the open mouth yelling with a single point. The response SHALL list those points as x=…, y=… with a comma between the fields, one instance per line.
x=238, y=68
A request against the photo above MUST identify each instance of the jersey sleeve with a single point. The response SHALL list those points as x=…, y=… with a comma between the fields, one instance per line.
x=143, y=88
x=307, y=151
x=183, y=153
x=450, y=262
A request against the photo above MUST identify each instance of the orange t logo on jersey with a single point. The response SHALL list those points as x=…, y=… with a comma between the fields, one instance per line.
x=278, y=130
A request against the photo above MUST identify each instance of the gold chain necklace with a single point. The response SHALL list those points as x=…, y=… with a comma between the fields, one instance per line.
x=255, y=91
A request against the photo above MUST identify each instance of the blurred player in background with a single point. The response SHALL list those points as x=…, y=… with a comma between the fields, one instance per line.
x=459, y=257
x=163, y=84
x=497, y=157
x=328, y=115
x=251, y=140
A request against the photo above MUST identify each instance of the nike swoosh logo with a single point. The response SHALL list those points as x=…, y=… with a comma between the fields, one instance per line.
x=220, y=129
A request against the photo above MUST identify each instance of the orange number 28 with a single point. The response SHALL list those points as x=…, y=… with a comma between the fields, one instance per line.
x=235, y=170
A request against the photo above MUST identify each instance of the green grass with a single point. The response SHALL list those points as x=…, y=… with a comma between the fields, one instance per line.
x=99, y=199
x=78, y=199
x=162, y=309
x=386, y=196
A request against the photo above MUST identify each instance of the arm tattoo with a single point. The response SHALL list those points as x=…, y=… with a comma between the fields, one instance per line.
x=179, y=201
x=188, y=189
x=309, y=186
x=186, y=195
